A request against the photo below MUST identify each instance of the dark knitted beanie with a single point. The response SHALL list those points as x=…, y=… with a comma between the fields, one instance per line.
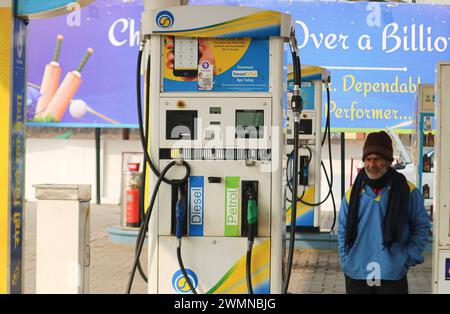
x=378, y=143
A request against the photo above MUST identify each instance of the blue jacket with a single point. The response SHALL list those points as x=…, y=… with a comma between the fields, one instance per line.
x=368, y=248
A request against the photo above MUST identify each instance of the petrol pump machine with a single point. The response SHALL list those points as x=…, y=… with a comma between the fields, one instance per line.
x=441, y=214
x=214, y=108
x=314, y=80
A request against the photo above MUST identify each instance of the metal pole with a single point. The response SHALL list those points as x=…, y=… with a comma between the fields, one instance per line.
x=342, y=164
x=97, y=163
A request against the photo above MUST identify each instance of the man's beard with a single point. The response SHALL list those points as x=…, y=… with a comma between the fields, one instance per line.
x=376, y=173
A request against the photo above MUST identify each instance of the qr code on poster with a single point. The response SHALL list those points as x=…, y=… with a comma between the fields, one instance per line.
x=205, y=83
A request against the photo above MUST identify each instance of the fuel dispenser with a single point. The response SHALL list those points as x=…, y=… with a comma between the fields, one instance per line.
x=441, y=219
x=214, y=87
x=311, y=138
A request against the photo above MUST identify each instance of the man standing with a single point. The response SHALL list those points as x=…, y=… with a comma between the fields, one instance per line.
x=383, y=224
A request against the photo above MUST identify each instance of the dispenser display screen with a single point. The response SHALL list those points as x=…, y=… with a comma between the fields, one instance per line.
x=215, y=110
x=249, y=123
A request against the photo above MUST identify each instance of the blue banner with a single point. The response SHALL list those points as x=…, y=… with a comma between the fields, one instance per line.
x=377, y=54
x=106, y=94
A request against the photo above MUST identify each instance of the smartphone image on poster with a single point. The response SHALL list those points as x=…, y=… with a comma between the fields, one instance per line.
x=186, y=56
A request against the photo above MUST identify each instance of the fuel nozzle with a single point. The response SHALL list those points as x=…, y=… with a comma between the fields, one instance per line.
x=252, y=213
x=296, y=101
x=180, y=214
x=252, y=226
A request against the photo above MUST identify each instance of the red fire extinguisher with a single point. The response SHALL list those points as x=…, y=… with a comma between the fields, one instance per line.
x=132, y=206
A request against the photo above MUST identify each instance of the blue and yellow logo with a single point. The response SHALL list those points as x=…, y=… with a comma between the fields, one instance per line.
x=180, y=284
x=164, y=19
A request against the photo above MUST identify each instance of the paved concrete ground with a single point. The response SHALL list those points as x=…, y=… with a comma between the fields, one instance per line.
x=313, y=271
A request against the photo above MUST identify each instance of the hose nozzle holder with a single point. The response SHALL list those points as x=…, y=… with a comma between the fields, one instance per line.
x=249, y=205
